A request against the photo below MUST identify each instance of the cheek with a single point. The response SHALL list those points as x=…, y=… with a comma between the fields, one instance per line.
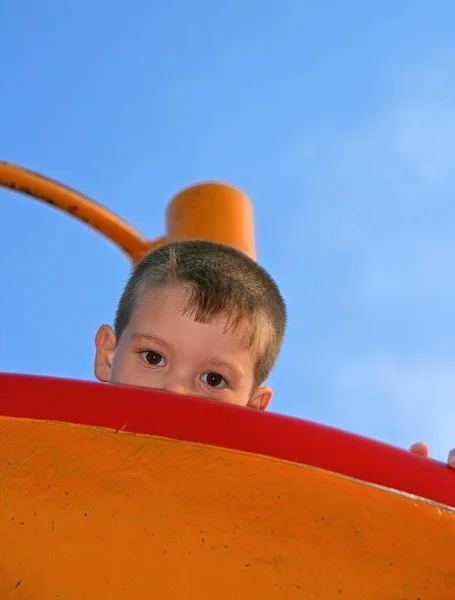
x=125, y=369
x=240, y=401
x=238, y=397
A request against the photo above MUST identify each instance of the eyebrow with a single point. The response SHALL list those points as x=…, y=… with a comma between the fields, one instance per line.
x=150, y=337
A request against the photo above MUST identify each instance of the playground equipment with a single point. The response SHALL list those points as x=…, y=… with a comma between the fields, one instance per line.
x=210, y=211
x=114, y=492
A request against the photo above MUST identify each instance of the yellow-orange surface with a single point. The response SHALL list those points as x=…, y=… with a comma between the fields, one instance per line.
x=90, y=513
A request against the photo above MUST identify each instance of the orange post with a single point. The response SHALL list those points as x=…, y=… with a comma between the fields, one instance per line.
x=208, y=211
x=214, y=212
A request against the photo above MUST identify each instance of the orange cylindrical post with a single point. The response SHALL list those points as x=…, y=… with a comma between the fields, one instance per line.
x=214, y=212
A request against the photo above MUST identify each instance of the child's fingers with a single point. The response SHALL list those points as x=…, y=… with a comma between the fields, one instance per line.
x=420, y=449
x=451, y=459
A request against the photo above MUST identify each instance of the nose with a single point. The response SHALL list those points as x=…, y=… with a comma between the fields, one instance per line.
x=178, y=389
x=179, y=380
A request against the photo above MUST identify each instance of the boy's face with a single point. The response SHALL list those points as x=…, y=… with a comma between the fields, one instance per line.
x=161, y=348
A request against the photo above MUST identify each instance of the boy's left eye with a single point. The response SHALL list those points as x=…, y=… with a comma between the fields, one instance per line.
x=154, y=359
x=214, y=380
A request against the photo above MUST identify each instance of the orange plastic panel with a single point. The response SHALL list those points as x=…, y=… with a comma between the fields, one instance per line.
x=90, y=513
x=214, y=212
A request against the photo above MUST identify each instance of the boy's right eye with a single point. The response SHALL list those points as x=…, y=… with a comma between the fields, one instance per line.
x=155, y=359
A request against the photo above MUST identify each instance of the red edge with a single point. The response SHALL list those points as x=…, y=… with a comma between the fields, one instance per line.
x=195, y=420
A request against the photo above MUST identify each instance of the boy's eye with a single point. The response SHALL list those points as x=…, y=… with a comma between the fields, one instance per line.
x=155, y=359
x=214, y=379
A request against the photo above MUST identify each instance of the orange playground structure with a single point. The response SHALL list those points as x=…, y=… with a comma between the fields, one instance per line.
x=112, y=492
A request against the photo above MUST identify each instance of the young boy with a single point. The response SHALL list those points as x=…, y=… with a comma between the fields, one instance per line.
x=197, y=318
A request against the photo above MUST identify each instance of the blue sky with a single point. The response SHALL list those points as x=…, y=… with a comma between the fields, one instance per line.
x=337, y=119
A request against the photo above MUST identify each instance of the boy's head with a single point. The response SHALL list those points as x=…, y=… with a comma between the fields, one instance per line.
x=197, y=318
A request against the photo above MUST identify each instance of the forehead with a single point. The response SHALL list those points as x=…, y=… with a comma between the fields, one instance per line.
x=166, y=310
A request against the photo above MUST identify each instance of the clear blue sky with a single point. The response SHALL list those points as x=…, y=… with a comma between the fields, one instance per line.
x=337, y=119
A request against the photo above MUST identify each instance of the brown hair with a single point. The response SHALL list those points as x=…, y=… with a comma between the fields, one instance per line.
x=219, y=281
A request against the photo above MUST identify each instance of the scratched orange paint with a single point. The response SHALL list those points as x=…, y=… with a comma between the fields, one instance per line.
x=89, y=513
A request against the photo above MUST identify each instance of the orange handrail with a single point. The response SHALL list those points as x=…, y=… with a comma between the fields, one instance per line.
x=209, y=211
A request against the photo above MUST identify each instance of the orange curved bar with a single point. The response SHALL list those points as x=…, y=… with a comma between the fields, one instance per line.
x=88, y=512
x=75, y=204
x=212, y=211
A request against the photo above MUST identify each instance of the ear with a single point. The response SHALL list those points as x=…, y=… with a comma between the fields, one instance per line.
x=260, y=398
x=105, y=348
